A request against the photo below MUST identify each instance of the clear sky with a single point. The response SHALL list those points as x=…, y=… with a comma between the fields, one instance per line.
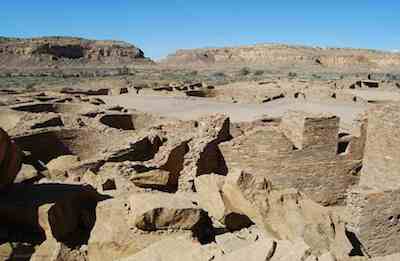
x=160, y=27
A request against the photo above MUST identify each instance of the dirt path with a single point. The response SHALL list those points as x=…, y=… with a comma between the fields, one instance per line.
x=192, y=108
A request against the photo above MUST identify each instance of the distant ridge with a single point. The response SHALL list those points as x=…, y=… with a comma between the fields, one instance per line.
x=276, y=53
x=63, y=51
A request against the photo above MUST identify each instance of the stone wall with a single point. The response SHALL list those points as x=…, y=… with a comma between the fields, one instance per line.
x=316, y=169
x=312, y=132
x=382, y=156
x=375, y=220
x=374, y=205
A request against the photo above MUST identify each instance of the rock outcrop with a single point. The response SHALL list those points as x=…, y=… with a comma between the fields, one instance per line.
x=279, y=54
x=66, y=52
x=174, y=249
x=162, y=211
x=246, y=194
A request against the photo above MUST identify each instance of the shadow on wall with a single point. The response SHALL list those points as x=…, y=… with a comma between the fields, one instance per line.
x=355, y=242
x=71, y=214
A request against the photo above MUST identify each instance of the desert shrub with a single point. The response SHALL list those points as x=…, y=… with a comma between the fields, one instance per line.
x=218, y=75
x=244, y=71
x=30, y=86
x=193, y=73
x=392, y=77
x=217, y=78
x=259, y=72
x=292, y=75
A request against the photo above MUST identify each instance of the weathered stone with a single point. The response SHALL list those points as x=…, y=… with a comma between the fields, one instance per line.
x=48, y=213
x=209, y=188
x=27, y=172
x=111, y=237
x=6, y=251
x=72, y=219
x=171, y=158
x=58, y=167
x=373, y=205
x=312, y=258
x=68, y=217
x=394, y=257
x=230, y=242
x=63, y=253
x=270, y=249
x=381, y=164
x=178, y=249
x=247, y=194
x=92, y=179
x=204, y=156
x=375, y=220
x=262, y=249
x=157, y=179
x=10, y=159
x=326, y=257
x=142, y=149
x=291, y=251
x=48, y=250
x=108, y=184
x=51, y=122
x=161, y=211
x=284, y=214
x=292, y=215
x=127, y=121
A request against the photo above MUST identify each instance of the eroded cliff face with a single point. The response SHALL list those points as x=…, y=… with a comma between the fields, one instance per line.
x=66, y=50
x=283, y=54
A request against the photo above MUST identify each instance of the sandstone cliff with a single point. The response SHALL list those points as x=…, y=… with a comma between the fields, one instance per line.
x=276, y=54
x=66, y=51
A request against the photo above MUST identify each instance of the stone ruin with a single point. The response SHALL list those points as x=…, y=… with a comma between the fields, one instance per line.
x=305, y=151
x=84, y=181
x=375, y=214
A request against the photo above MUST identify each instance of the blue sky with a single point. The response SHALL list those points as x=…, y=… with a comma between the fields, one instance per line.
x=160, y=27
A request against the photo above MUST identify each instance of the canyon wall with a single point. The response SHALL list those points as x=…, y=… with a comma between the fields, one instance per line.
x=275, y=54
x=66, y=51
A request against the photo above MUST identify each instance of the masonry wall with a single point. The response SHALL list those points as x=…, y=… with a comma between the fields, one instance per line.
x=382, y=155
x=374, y=206
x=292, y=126
x=375, y=220
x=356, y=147
x=315, y=169
x=321, y=133
x=307, y=131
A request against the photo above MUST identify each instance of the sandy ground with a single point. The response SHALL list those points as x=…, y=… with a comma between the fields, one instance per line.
x=191, y=108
